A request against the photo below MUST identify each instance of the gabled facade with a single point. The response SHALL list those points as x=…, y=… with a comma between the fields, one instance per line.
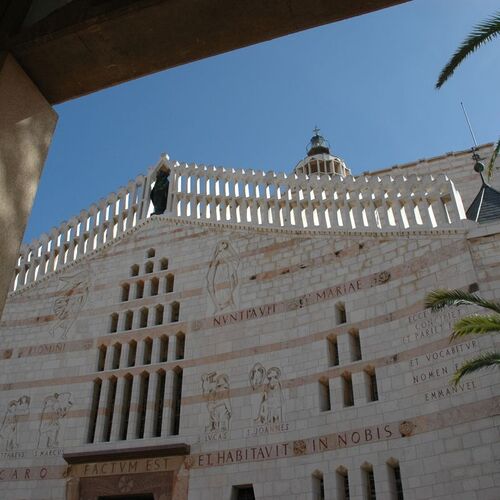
x=265, y=337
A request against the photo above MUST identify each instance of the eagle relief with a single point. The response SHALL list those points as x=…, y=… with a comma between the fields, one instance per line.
x=71, y=298
x=222, y=277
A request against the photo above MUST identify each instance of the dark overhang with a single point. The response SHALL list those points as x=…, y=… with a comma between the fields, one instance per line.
x=70, y=48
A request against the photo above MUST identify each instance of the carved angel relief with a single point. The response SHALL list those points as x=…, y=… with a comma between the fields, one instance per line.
x=72, y=296
x=222, y=277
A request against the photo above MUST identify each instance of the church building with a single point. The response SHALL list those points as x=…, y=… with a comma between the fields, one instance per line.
x=210, y=333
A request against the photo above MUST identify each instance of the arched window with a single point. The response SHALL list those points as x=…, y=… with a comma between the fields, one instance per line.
x=368, y=482
x=148, y=350
x=132, y=351
x=113, y=323
x=101, y=358
x=155, y=284
x=180, y=345
x=110, y=407
x=125, y=292
x=342, y=477
x=148, y=267
x=324, y=395
x=175, y=309
x=176, y=401
x=318, y=485
x=144, y=317
x=129, y=317
x=159, y=403
x=134, y=270
x=169, y=283
x=159, y=311
x=163, y=264
x=127, y=397
x=141, y=408
x=150, y=253
x=139, y=289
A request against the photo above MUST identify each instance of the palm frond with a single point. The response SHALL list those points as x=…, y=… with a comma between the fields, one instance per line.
x=491, y=164
x=478, y=363
x=476, y=325
x=440, y=298
x=482, y=33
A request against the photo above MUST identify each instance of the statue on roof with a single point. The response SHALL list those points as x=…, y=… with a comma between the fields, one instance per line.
x=159, y=192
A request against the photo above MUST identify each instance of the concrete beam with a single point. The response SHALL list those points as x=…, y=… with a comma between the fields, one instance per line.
x=84, y=46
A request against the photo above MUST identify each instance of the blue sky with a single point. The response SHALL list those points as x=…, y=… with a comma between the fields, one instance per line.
x=367, y=82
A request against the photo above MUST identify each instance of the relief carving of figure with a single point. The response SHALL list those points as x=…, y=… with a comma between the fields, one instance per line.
x=55, y=407
x=216, y=391
x=271, y=400
x=222, y=276
x=8, y=431
x=72, y=297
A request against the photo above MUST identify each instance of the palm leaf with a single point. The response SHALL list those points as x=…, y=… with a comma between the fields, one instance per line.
x=482, y=33
x=440, y=298
x=482, y=361
x=476, y=325
x=491, y=164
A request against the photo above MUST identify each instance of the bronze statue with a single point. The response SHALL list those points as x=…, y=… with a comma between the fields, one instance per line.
x=159, y=192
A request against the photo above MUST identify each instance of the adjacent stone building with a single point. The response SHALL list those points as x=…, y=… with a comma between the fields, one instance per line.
x=265, y=337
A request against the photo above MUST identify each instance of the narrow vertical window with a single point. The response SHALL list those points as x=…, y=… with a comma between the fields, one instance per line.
x=164, y=264
x=396, y=484
x=117, y=352
x=174, y=317
x=324, y=395
x=150, y=253
x=132, y=350
x=113, y=323
x=355, y=345
x=368, y=482
x=333, y=351
x=134, y=270
x=144, y=317
x=155, y=283
x=372, y=385
x=176, y=401
x=127, y=397
x=159, y=403
x=169, y=283
x=141, y=407
x=125, y=292
x=318, y=486
x=139, y=289
x=347, y=389
x=163, y=349
x=148, y=267
x=340, y=313
x=129, y=317
x=96, y=394
x=159, y=315
x=101, y=358
x=180, y=345
x=110, y=407
x=148, y=350
x=342, y=478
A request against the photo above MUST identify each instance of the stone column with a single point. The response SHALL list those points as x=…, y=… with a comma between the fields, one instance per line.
x=172, y=348
x=336, y=394
x=134, y=404
x=117, y=410
x=26, y=126
x=344, y=347
x=102, y=411
x=151, y=405
x=166, y=425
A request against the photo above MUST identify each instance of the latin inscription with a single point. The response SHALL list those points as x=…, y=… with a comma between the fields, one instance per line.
x=121, y=467
x=296, y=448
x=425, y=324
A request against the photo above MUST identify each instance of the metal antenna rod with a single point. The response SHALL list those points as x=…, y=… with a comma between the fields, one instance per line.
x=470, y=126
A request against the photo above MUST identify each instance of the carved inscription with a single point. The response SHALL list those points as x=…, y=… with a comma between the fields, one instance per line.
x=16, y=409
x=425, y=324
x=73, y=294
x=222, y=277
x=216, y=391
x=54, y=409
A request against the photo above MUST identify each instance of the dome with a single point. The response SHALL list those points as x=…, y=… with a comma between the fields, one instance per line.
x=319, y=160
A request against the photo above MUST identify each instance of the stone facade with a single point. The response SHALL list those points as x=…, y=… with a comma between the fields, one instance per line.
x=229, y=343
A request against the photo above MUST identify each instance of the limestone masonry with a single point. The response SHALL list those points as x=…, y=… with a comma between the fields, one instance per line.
x=265, y=337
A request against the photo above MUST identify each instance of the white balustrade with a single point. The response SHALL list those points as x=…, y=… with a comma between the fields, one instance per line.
x=252, y=198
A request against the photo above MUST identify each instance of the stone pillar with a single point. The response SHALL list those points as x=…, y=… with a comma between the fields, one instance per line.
x=151, y=405
x=102, y=411
x=384, y=486
x=344, y=347
x=134, y=404
x=361, y=388
x=166, y=425
x=26, y=127
x=172, y=348
x=117, y=410
x=336, y=393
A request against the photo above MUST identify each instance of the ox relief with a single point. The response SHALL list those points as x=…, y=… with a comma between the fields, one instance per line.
x=54, y=408
x=269, y=413
x=222, y=277
x=71, y=298
x=16, y=409
x=215, y=389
